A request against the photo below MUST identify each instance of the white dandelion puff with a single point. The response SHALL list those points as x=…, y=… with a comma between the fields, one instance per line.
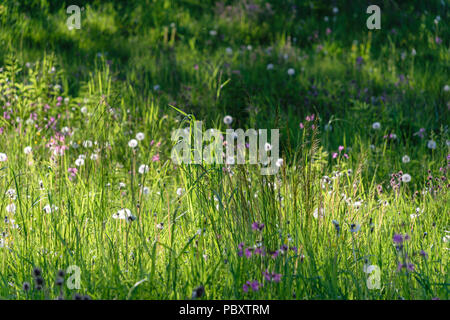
x=376, y=126
x=143, y=169
x=279, y=162
x=124, y=214
x=431, y=144
x=132, y=143
x=406, y=178
x=227, y=120
x=79, y=162
x=50, y=209
x=180, y=191
x=11, y=208
x=140, y=136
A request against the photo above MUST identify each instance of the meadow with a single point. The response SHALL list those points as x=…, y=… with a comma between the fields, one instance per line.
x=93, y=207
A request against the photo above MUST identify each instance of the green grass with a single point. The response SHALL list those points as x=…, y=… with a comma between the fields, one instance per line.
x=110, y=71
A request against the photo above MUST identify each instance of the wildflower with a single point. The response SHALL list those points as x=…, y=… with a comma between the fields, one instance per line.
x=87, y=144
x=291, y=71
x=376, y=126
x=279, y=162
x=335, y=10
x=399, y=238
x=355, y=227
x=406, y=178
x=229, y=50
x=274, y=277
x=227, y=120
x=409, y=266
x=318, y=212
x=269, y=66
x=420, y=133
x=143, y=169
x=180, y=191
x=11, y=193
x=212, y=33
x=37, y=272
x=140, y=136
x=145, y=190
x=124, y=214
x=256, y=226
x=132, y=143
x=423, y=254
x=155, y=158
x=50, y=209
x=3, y=157
x=59, y=282
x=240, y=249
x=248, y=252
x=446, y=88
x=27, y=150
x=39, y=281
x=156, y=87
x=301, y=125
x=406, y=159
x=267, y=146
x=255, y=285
x=79, y=162
x=328, y=127
x=26, y=286
x=198, y=292
x=431, y=144
x=11, y=208
x=359, y=61
x=336, y=226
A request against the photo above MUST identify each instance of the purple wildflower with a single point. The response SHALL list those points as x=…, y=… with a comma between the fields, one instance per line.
x=248, y=252
x=255, y=285
x=398, y=238
x=423, y=254
x=256, y=226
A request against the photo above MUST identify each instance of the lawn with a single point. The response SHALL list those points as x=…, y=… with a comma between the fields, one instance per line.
x=97, y=205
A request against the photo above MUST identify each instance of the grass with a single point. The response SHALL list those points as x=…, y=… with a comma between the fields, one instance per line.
x=154, y=66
